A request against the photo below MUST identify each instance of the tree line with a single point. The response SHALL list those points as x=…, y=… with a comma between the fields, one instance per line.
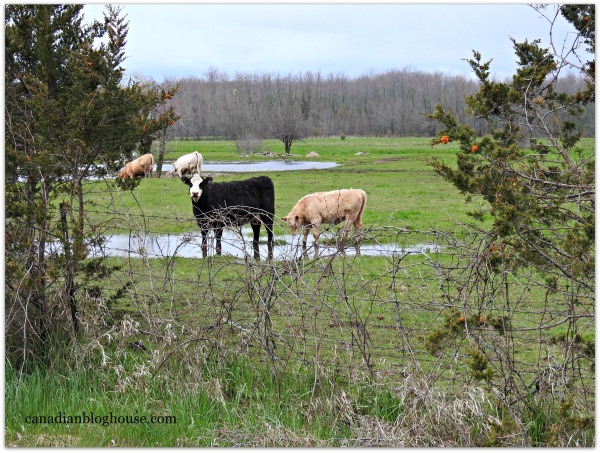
x=294, y=106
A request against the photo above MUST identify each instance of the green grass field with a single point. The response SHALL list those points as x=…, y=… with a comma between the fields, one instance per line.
x=402, y=190
x=334, y=351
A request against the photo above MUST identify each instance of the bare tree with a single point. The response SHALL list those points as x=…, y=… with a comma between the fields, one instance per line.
x=286, y=115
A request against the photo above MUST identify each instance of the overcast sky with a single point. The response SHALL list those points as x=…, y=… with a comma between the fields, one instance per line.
x=188, y=39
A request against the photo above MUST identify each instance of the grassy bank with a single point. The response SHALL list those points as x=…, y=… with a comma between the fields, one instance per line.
x=234, y=403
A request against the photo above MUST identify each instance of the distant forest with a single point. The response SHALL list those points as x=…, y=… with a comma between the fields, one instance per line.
x=393, y=103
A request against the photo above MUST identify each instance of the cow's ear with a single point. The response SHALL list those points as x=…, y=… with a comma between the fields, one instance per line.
x=206, y=181
x=186, y=181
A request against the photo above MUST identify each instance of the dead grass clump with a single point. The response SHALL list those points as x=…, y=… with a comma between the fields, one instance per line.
x=429, y=418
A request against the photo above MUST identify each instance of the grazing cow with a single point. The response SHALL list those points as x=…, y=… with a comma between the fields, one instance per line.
x=219, y=204
x=142, y=166
x=188, y=163
x=327, y=207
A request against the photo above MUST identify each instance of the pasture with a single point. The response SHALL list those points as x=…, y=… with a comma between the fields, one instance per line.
x=403, y=191
x=329, y=350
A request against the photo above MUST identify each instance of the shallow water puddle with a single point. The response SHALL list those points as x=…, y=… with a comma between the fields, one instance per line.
x=188, y=245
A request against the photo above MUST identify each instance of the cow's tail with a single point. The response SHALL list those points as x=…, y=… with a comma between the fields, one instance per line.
x=151, y=164
x=362, y=208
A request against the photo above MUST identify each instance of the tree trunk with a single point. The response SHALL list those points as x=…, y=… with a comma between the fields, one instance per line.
x=70, y=265
x=287, y=144
x=161, y=151
x=39, y=273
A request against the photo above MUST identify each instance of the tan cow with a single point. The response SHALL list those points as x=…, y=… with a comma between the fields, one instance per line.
x=330, y=208
x=142, y=166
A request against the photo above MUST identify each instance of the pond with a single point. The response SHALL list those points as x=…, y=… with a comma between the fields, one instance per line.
x=238, y=167
x=188, y=245
x=257, y=166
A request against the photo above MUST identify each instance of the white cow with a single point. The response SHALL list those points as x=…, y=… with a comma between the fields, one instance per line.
x=331, y=208
x=188, y=163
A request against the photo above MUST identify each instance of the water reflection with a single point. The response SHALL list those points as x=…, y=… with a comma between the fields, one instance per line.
x=234, y=243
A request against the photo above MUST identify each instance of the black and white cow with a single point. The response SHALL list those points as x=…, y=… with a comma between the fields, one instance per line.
x=219, y=204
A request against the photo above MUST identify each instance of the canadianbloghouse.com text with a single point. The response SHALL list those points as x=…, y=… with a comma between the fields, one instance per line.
x=104, y=420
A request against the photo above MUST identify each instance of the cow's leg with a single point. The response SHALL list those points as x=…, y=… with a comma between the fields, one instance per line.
x=204, y=243
x=256, y=231
x=268, y=222
x=304, y=238
x=203, y=232
x=358, y=229
x=347, y=227
x=316, y=250
x=218, y=234
x=345, y=230
x=316, y=232
x=305, y=230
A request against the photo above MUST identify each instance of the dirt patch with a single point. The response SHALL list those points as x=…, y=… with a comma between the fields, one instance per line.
x=272, y=154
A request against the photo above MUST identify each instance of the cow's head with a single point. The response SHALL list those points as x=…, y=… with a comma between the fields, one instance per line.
x=196, y=185
x=293, y=221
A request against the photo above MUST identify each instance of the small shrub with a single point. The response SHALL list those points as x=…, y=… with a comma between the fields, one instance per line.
x=479, y=365
x=128, y=183
x=248, y=145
